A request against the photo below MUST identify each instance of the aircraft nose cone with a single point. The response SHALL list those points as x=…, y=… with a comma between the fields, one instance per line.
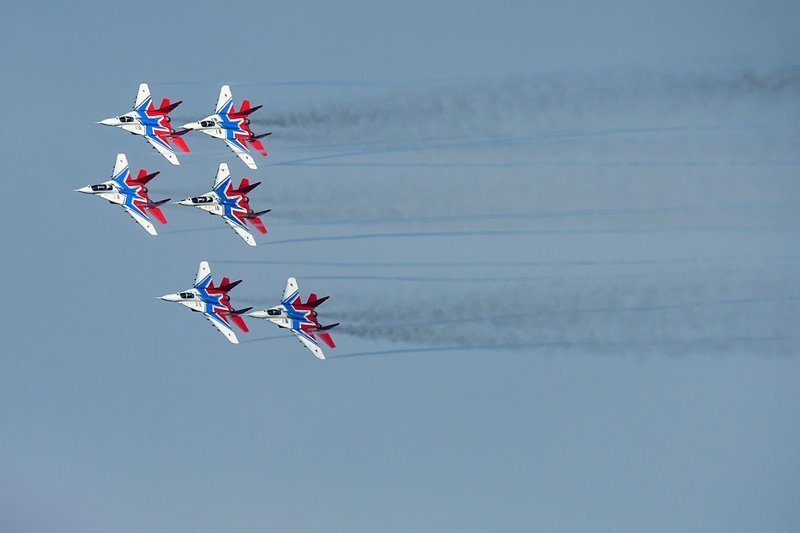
x=170, y=298
x=258, y=314
x=190, y=126
x=187, y=201
x=87, y=190
x=108, y=122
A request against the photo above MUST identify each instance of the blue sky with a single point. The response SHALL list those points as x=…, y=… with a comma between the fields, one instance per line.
x=560, y=237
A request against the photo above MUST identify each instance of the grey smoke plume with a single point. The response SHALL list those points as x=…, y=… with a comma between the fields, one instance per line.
x=556, y=103
x=702, y=314
x=507, y=146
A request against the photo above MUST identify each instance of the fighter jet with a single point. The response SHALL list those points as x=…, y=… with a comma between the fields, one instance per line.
x=232, y=126
x=232, y=204
x=300, y=318
x=131, y=193
x=151, y=123
x=213, y=302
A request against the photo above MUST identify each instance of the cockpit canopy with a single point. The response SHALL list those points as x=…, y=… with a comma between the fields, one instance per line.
x=202, y=200
x=186, y=295
x=125, y=119
x=102, y=187
x=207, y=123
x=274, y=312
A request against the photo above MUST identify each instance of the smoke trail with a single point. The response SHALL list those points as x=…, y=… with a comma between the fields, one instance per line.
x=694, y=260
x=573, y=213
x=702, y=314
x=505, y=142
x=520, y=104
x=715, y=345
x=534, y=232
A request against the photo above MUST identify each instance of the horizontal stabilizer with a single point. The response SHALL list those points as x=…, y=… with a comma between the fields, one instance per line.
x=262, y=135
x=326, y=338
x=255, y=221
x=326, y=328
x=258, y=146
x=157, y=213
x=239, y=312
x=239, y=321
x=178, y=141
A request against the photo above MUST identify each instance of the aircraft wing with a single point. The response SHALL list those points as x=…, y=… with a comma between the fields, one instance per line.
x=223, y=328
x=243, y=233
x=145, y=223
x=242, y=154
x=163, y=148
x=290, y=291
x=309, y=343
x=142, y=97
x=222, y=174
x=203, y=271
x=224, y=100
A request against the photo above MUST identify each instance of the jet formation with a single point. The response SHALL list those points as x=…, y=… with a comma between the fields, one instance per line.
x=226, y=200
x=214, y=303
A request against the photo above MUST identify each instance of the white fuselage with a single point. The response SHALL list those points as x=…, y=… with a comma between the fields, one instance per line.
x=211, y=125
x=278, y=315
x=133, y=122
x=209, y=202
x=107, y=191
x=189, y=298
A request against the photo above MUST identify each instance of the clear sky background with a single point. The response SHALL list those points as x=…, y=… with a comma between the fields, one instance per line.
x=561, y=237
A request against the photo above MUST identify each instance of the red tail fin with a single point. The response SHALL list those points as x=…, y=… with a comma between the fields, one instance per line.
x=144, y=177
x=166, y=107
x=157, y=214
x=313, y=301
x=226, y=285
x=246, y=109
x=245, y=187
